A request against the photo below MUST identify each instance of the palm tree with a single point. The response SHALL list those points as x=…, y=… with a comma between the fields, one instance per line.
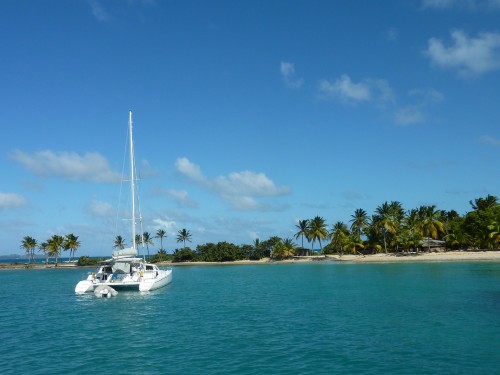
x=411, y=234
x=339, y=234
x=430, y=223
x=44, y=247
x=384, y=220
x=29, y=244
x=290, y=247
x=270, y=243
x=279, y=251
x=256, y=244
x=373, y=236
x=138, y=241
x=283, y=249
x=359, y=222
x=119, y=242
x=318, y=230
x=146, y=237
x=482, y=204
x=183, y=236
x=494, y=234
x=55, y=245
x=72, y=244
x=397, y=211
x=160, y=233
x=353, y=243
x=303, y=227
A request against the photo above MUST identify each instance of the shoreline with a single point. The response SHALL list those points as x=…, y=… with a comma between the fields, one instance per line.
x=450, y=256
x=445, y=257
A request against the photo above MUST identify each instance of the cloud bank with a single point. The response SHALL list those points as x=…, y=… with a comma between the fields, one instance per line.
x=465, y=4
x=11, y=200
x=240, y=189
x=491, y=140
x=91, y=167
x=346, y=90
x=287, y=71
x=468, y=55
x=100, y=208
x=182, y=198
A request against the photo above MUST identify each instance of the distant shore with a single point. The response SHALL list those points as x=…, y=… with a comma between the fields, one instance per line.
x=449, y=256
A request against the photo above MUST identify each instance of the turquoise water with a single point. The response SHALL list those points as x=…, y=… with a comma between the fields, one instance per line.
x=264, y=319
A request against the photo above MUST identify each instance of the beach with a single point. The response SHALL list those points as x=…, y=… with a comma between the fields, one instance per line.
x=422, y=257
x=449, y=256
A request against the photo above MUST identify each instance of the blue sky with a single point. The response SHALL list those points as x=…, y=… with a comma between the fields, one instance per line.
x=248, y=115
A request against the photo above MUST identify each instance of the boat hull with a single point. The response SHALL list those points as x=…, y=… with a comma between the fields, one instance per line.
x=146, y=283
x=84, y=286
x=164, y=277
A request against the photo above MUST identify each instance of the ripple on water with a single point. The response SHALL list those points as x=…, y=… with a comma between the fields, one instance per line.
x=293, y=319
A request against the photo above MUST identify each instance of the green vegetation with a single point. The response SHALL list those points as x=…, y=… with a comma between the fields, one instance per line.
x=52, y=247
x=184, y=236
x=161, y=256
x=391, y=229
x=87, y=261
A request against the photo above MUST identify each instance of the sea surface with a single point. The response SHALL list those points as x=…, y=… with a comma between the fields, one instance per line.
x=326, y=318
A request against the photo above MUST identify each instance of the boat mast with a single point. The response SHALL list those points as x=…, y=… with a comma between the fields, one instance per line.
x=132, y=178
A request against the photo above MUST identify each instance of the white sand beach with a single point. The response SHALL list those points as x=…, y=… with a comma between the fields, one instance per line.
x=450, y=256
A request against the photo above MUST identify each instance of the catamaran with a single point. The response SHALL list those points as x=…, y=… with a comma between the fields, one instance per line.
x=125, y=270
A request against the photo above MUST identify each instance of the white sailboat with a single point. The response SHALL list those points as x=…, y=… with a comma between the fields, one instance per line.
x=125, y=270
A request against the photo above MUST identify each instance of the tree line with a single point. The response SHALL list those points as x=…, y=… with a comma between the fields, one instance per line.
x=52, y=247
x=390, y=229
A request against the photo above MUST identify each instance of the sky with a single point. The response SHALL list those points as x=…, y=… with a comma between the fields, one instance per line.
x=248, y=115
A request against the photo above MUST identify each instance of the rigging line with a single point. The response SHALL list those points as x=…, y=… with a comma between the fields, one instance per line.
x=138, y=179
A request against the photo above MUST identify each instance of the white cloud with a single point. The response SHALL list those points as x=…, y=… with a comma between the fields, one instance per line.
x=239, y=189
x=491, y=140
x=470, y=56
x=494, y=4
x=408, y=116
x=378, y=92
x=91, y=167
x=348, y=91
x=11, y=200
x=466, y=4
x=100, y=209
x=247, y=183
x=415, y=113
x=428, y=96
x=440, y=4
x=288, y=74
x=191, y=170
x=169, y=225
x=146, y=170
x=98, y=11
x=182, y=198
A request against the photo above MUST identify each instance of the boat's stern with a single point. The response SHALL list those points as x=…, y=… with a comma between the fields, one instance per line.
x=84, y=286
x=156, y=280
